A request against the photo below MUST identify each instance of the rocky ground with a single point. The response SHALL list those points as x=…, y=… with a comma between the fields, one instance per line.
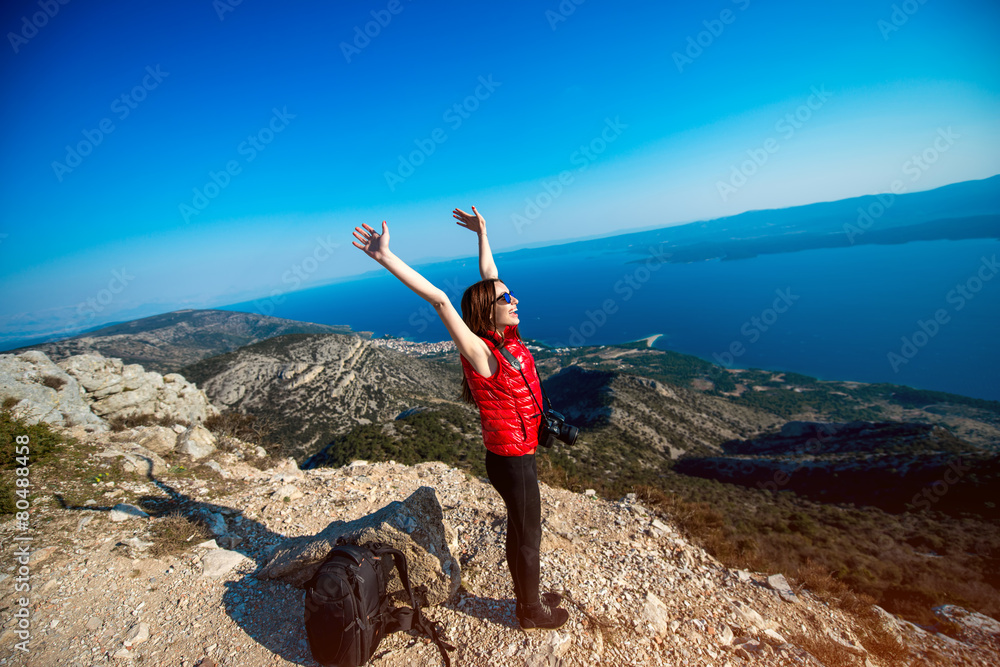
x=638, y=593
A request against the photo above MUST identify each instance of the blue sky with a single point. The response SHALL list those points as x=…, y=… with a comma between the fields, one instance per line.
x=195, y=154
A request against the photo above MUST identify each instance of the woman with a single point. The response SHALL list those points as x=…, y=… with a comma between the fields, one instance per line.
x=510, y=407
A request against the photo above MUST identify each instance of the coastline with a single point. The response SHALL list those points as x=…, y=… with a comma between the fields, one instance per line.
x=649, y=339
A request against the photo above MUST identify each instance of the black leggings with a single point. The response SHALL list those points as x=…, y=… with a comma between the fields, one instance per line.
x=516, y=480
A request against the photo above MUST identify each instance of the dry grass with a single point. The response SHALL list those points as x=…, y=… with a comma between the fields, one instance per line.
x=53, y=382
x=175, y=533
x=121, y=423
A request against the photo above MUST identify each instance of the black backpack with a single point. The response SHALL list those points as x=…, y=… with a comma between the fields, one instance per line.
x=347, y=611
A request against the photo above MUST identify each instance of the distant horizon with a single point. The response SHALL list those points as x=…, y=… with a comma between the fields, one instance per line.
x=161, y=156
x=144, y=310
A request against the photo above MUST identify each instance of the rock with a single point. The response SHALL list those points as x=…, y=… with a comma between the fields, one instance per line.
x=848, y=644
x=218, y=468
x=136, y=543
x=124, y=512
x=974, y=627
x=207, y=544
x=215, y=522
x=288, y=471
x=230, y=541
x=749, y=618
x=114, y=389
x=45, y=392
x=136, y=635
x=658, y=528
x=415, y=526
x=774, y=636
x=219, y=562
x=196, y=442
x=259, y=452
x=178, y=428
x=287, y=491
x=656, y=614
x=556, y=645
x=136, y=459
x=780, y=584
x=157, y=439
x=94, y=624
x=725, y=634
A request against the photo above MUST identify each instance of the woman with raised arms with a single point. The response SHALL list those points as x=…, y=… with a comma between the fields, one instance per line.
x=509, y=403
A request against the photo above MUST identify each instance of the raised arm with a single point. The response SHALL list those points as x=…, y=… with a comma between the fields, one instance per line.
x=471, y=346
x=475, y=222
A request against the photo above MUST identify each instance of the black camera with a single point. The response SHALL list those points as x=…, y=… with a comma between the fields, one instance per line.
x=554, y=427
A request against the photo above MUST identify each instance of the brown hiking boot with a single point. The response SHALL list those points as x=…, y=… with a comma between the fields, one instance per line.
x=540, y=616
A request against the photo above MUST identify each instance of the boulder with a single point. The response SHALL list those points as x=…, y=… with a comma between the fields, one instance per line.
x=158, y=439
x=196, y=442
x=656, y=614
x=136, y=459
x=114, y=389
x=124, y=512
x=780, y=584
x=220, y=562
x=45, y=392
x=415, y=526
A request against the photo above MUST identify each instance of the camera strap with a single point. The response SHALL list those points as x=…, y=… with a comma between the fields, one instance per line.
x=517, y=365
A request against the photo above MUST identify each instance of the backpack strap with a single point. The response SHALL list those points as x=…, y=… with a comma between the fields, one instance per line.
x=408, y=619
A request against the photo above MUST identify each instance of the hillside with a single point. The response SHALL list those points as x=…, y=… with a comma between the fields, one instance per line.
x=376, y=402
x=164, y=343
x=314, y=387
x=887, y=465
x=114, y=586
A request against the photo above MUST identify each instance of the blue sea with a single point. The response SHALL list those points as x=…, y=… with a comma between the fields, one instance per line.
x=922, y=314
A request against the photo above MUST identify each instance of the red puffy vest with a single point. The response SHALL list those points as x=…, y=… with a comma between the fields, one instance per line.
x=510, y=416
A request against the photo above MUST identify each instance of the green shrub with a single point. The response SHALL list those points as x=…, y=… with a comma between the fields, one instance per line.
x=42, y=444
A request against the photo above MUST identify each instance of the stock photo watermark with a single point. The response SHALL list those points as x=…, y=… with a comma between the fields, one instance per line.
x=914, y=167
x=223, y=7
x=757, y=325
x=626, y=286
x=297, y=274
x=563, y=11
x=933, y=492
x=121, y=106
x=31, y=25
x=92, y=306
x=927, y=329
x=454, y=115
x=696, y=44
x=425, y=313
x=900, y=15
x=249, y=148
x=22, y=540
x=787, y=126
x=581, y=158
x=363, y=35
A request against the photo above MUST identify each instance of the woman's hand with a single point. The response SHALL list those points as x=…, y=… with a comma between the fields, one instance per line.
x=375, y=245
x=474, y=222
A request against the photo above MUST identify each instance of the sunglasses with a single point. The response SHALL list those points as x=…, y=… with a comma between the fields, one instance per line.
x=506, y=296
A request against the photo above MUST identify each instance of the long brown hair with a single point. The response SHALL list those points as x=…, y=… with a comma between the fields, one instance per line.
x=478, y=308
